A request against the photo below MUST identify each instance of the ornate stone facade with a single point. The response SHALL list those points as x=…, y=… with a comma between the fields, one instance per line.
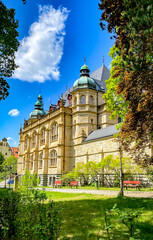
x=76, y=129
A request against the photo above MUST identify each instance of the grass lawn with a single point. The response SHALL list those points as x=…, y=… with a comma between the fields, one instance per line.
x=83, y=216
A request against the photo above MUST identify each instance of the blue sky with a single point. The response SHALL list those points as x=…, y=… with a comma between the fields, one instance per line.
x=55, y=36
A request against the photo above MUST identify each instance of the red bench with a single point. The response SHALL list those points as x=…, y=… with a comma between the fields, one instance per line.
x=73, y=184
x=58, y=184
x=135, y=184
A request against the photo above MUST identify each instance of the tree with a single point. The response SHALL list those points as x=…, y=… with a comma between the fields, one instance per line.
x=2, y=159
x=131, y=22
x=83, y=172
x=11, y=162
x=8, y=46
x=28, y=183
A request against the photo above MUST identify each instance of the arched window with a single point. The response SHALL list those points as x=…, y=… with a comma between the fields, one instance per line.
x=40, y=161
x=53, y=159
x=91, y=100
x=26, y=142
x=54, y=133
x=42, y=137
x=33, y=139
x=83, y=99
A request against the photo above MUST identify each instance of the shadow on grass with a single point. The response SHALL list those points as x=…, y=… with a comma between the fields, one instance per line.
x=84, y=219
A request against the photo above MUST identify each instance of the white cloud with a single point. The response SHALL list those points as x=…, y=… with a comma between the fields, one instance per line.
x=14, y=112
x=40, y=53
x=12, y=141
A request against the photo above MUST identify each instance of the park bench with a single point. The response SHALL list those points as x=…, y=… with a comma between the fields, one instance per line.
x=58, y=184
x=73, y=184
x=135, y=184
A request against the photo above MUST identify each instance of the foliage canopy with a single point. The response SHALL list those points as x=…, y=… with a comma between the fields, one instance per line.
x=131, y=22
x=8, y=46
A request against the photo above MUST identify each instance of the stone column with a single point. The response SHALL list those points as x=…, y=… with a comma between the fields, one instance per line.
x=78, y=98
x=37, y=140
x=45, y=166
x=35, y=161
x=29, y=141
x=60, y=133
x=46, y=137
x=87, y=98
x=60, y=159
x=27, y=162
x=45, y=160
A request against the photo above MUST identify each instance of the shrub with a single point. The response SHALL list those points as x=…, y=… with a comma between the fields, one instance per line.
x=25, y=215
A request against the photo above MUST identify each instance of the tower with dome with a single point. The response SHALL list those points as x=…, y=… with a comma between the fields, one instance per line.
x=75, y=129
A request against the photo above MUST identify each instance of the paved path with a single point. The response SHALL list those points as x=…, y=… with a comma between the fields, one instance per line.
x=2, y=184
x=139, y=194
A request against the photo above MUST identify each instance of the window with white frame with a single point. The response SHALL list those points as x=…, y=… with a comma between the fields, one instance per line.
x=54, y=133
x=53, y=159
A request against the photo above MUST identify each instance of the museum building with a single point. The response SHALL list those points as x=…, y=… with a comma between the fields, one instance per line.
x=76, y=129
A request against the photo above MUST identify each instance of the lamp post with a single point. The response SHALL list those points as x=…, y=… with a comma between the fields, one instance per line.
x=10, y=176
x=5, y=175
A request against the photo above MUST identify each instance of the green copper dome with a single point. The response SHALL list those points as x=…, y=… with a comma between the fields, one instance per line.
x=84, y=82
x=38, y=104
x=39, y=96
x=84, y=67
x=39, y=111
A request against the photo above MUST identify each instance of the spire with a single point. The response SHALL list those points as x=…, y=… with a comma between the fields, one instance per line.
x=103, y=60
x=85, y=60
x=62, y=102
x=84, y=69
x=40, y=101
